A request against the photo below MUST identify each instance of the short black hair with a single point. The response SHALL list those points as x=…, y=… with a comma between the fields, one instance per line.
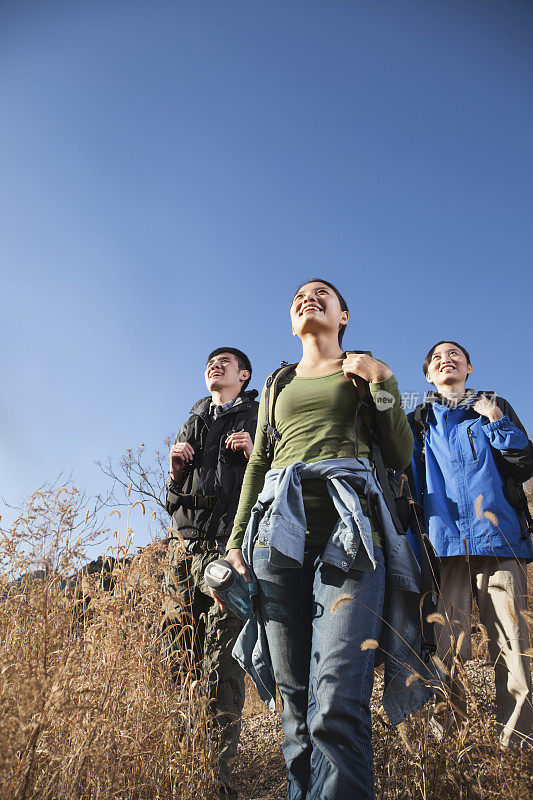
x=342, y=301
x=243, y=361
x=443, y=341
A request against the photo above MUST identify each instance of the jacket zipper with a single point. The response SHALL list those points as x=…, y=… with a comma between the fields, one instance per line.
x=471, y=440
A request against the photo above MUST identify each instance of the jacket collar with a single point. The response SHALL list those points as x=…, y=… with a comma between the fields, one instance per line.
x=243, y=401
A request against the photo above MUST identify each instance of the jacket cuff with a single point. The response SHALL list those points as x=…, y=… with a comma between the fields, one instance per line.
x=172, y=487
x=504, y=422
x=505, y=435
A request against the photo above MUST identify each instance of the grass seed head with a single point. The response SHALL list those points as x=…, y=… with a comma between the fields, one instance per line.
x=492, y=518
x=345, y=598
x=369, y=644
x=478, y=506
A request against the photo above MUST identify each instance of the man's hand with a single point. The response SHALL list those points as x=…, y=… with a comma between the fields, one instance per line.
x=363, y=366
x=240, y=440
x=487, y=408
x=181, y=453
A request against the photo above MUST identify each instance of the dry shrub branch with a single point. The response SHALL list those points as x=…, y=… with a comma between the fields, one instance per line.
x=87, y=707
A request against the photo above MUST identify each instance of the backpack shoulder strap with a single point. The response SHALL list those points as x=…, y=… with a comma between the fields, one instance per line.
x=514, y=467
x=419, y=418
x=429, y=579
x=273, y=386
x=429, y=568
x=366, y=412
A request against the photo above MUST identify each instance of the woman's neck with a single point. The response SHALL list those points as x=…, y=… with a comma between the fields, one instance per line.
x=321, y=355
x=453, y=391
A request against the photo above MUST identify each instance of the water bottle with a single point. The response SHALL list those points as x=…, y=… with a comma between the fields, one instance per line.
x=231, y=587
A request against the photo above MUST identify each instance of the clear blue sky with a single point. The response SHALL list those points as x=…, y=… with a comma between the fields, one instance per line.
x=169, y=171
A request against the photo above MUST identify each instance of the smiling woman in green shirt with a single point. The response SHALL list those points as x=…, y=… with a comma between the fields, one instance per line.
x=308, y=434
x=314, y=635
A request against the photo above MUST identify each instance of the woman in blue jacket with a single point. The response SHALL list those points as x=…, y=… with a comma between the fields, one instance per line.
x=466, y=444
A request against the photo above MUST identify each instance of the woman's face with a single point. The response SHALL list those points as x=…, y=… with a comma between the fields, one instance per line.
x=448, y=365
x=315, y=309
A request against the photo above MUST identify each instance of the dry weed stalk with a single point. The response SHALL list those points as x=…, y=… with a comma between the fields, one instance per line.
x=87, y=707
x=463, y=760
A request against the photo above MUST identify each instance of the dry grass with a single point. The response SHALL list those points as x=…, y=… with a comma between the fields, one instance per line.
x=87, y=708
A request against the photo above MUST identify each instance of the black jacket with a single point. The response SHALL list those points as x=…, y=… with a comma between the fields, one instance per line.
x=204, y=502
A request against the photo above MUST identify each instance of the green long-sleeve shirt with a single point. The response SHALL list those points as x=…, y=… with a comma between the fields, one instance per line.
x=315, y=419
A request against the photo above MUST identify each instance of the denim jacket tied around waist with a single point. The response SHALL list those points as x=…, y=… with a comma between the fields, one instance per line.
x=283, y=529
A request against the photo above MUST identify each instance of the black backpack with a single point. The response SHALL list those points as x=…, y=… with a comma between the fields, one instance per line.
x=515, y=466
x=405, y=512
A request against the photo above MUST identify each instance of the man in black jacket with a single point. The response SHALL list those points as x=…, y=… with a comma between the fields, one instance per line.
x=207, y=464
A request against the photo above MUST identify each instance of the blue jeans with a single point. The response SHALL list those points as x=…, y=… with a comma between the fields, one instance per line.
x=316, y=618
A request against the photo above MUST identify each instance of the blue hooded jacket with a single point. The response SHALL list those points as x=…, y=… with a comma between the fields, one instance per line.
x=458, y=482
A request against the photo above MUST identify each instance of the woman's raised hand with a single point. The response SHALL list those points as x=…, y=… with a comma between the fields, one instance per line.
x=364, y=366
x=487, y=408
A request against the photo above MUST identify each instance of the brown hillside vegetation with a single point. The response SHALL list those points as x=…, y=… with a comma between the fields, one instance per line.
x=86, y=705
x=88, y=711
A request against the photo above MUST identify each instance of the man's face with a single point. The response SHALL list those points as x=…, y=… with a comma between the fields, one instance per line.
x=448, y=366
x=222, y=372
